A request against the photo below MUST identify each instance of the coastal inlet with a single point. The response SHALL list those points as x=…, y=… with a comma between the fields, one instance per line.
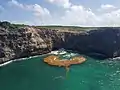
x=34, y=74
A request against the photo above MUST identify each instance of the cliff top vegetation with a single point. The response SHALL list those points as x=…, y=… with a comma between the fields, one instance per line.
x=10, y=26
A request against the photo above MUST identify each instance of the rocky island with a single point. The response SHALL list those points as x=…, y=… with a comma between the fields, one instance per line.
x=18, y=41
x=55, y=61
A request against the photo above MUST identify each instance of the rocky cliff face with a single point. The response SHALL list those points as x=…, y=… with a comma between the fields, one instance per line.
x=103, y=42
x=22, y=43
x=29, y=41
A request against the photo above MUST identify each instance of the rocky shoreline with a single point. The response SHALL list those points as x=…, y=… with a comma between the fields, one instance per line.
x=20, y=59
x=30, y=41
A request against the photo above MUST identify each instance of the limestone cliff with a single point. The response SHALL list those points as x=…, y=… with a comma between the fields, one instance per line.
x=29, y=41
x=102, y=42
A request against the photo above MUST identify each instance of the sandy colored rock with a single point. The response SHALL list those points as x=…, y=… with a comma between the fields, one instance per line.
x=55, y=61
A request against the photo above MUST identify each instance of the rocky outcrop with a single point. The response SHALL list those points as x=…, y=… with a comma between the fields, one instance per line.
x=103, y=42
x=22, y=43
x=29, y=41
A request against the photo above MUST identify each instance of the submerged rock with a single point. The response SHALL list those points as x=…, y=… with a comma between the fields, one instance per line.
x=55, y=61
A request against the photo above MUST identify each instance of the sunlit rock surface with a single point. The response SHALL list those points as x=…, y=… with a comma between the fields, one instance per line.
x=29, y=41
x=55, y=61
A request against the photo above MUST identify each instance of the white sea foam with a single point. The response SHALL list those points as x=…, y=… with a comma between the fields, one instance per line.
x=4, y=64
x=21, y=59
x=54, y=52
x=68, y=55
x=116, y=58
x=63, y=52
x=73, y=54
x=58, y=52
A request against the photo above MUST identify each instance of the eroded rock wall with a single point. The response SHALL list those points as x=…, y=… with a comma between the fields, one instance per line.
x=29, y=41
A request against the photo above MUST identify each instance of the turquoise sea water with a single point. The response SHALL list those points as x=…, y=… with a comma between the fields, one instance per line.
x=34, y=74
